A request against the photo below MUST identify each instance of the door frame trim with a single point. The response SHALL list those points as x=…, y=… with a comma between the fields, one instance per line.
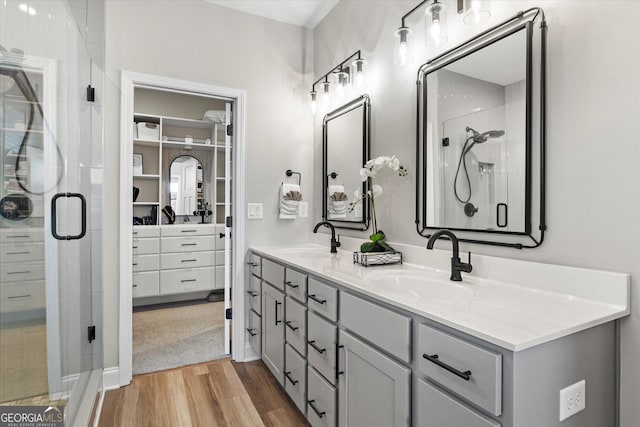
x=130, y=81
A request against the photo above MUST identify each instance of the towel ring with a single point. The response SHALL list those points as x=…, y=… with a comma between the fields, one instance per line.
x=289, y=172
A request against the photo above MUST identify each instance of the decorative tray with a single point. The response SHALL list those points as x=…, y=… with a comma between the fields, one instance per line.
x=377, y=258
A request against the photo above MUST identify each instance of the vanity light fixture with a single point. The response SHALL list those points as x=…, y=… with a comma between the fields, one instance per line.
x=348, y=73
x=435, y=17
x=475, y=11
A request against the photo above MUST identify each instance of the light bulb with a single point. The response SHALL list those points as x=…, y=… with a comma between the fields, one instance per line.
x=314, y=103
x=476, y=12
x=402, y=54
x=342, y=80
x=326, y=96
x=358, y=76
x=436, y=31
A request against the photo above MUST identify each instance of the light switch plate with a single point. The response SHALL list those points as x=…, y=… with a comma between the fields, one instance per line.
x=573, y=399
x=254, y=211
x=303, y=209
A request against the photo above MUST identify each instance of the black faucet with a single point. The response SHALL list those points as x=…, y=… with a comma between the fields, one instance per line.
x=335, y=244
x=456, y=265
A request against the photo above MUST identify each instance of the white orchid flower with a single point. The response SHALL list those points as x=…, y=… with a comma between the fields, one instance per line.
x=394, y=164
x=357, y=195
x=364, y=174
x=377, y=190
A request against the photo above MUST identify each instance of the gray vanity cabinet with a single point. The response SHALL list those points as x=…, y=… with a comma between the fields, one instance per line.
x=273, y=330
x=373, y=389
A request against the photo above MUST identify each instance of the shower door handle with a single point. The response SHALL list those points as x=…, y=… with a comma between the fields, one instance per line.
x=54, y=216
x=505, y=215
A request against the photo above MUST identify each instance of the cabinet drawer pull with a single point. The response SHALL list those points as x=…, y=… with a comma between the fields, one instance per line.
x=188, y=260
x=466, y=375
x=291, y=285
x=19, y=296
x=189, y=231
x=134, y=264
x=288, y=325
x=187, y=280
x=19, y=272
x=276, y=316
x=17, y=237
x=319, y=301
x=134, y=233
x=252, y=332
x=18, y=253
x=135, y=247
x=288, y=376
x=134, y=286
x=252, y=293
x=315, y=347
x=318, y=413
x=189, y=244
x=252, y=264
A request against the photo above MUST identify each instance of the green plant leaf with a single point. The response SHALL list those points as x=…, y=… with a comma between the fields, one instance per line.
x=368, y=247
x=386, y=246
x=377, y=237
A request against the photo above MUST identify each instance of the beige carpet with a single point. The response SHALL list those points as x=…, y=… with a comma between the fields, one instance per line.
x=170, y=337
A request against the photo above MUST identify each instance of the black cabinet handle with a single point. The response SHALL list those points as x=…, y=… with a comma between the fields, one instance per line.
x=318, y=413
x=19, y=272
x=18, y=253
x=189, y=244
x=252, y=293
x=54, y=213
x=287, y=375
x=291, y=285
x=319, y=301
x=315, y=347
x=288, y=324
x=276, y=316
x=188, y=260
x=466, y=375
x=187, y=280
x=189, y=231
x=19, y=296
x=252, y=264
x=252, y=332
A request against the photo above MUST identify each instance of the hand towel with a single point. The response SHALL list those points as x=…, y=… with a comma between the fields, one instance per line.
x=290, y=197
x=337, y=202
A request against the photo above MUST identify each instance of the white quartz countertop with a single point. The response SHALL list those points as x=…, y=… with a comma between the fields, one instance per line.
x=512, y=315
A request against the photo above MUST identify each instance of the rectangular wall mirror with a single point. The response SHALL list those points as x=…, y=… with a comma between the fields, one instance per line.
x=475, y=136
x=345, y=150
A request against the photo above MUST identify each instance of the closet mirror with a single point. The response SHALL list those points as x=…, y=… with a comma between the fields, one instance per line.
x=345, y=151
x=475, y=139
x=186, y=185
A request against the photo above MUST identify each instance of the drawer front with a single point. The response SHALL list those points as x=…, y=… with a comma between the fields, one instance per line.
x=145, y=262
x=21, y=252
x=219, y=240
x=255, y=264
x=437, y=409
x=273, y=273
x=187, y=260
x=254, y=293
x=186, y=280
x=187, y=244
x=321, y=400
x=254, y=332
x=22, y=272
x=187, y=230
x=219, y=257
x=321, y=345
x=145, y=246
x=295, y=377
x=385, y=328
x=322, y=299
x=145, y=231
x=22, y=296
x=295, y=325
x=484, y=387
x=146, y=284
x=219, y=277
x=295, y=284
x=22, y=235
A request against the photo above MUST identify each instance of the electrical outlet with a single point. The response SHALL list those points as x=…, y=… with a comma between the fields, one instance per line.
x=254, y=210
x=303, y=209
x=573, y=399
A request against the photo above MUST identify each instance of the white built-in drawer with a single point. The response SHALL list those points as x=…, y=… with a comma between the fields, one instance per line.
x=22, y=272
x=187, y=244
x=22, y=296
x=254, y=332
x=187, y=230
x=438, y=409
x=296, y=325
x=295, y=284
x=146, y=246
x=273, y=273
x=321, y=345
x=21, y=235
x=145, y=284
x=386, y=329
x=145, y=262
x=254, y=293
x=187, y=260
x=21, y=252
x=145, y=231
x=439, y=353
x=186, y=280
x=322, y=298
x=295, y=383
x=255, y=264
x=321, y=400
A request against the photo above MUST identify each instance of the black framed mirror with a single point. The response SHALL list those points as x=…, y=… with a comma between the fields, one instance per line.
x=481, y=135
x=345, y=144
x=186, y=185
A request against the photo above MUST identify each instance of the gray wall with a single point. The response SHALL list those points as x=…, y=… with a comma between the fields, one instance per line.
x=593, y=141
x=202, y=42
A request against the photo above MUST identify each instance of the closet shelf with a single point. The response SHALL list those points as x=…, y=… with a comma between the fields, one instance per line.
x=147, y=142
x=175, y=144
x=146, y=203
x=146, y=176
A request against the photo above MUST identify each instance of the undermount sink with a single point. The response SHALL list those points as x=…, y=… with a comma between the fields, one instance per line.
x=424, y=287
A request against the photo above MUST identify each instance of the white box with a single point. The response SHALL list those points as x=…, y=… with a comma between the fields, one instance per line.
x=148, y=130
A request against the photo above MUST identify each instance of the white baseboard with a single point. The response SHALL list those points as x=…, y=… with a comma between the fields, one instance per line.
x=111, y=378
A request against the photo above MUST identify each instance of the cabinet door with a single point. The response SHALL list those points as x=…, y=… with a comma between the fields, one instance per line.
x=374, y=390
x=273, y=330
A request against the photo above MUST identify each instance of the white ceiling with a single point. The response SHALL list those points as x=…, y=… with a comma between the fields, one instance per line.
x=304, y=13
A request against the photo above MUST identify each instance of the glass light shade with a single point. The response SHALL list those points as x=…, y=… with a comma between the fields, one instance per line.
x=313, y=98
x=326, y=93
x=342, y=83
x=402, y=52
x=358, y=75
x=476, y=11
x=436, y=24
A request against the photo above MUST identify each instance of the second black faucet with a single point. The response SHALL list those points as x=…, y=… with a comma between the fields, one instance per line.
x=335, y=244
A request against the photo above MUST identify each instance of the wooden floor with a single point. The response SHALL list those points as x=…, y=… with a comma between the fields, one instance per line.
x=218, y=393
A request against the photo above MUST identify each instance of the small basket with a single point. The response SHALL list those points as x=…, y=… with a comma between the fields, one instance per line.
x=148, y=131
x=377, y=258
